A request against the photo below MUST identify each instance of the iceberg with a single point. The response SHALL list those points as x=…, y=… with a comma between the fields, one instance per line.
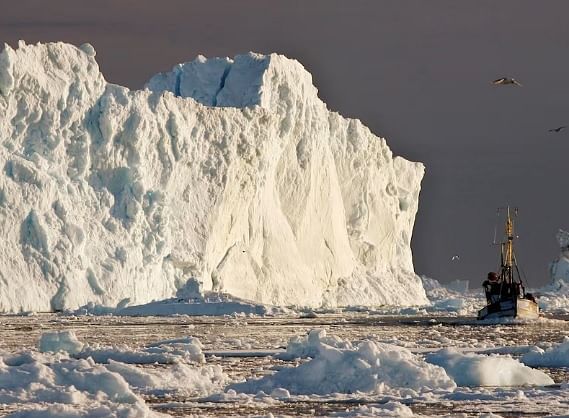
x=232, y=171
x=559, y=269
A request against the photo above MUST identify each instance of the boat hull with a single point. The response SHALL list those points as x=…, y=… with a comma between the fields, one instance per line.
x=518, y=308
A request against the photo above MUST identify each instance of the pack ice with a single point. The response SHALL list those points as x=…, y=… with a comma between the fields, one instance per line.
x=232, y=171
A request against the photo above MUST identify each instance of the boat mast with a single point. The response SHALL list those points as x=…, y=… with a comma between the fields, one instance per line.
x=509, y=248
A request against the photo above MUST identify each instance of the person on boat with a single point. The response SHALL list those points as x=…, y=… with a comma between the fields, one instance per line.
x=492, y=287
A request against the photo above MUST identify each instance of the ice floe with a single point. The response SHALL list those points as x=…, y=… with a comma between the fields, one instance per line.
x=342, y=368
x=68, y=378
x=470, y=369
x=60, y=341
x=556, y=356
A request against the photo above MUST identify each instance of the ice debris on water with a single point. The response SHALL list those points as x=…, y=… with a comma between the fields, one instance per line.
x=470, y=369
x=55, y=341
x=556, y=356
x=69, y=378
x=336, y=366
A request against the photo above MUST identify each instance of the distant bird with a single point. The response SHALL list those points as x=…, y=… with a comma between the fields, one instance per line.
x=504, y=81
x=557, y=130
x=455, y=257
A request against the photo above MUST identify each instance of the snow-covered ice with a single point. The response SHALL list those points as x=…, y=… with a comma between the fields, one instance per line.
x=60, y=341
x=337, y=366
x=366, y=364
x=231, y=171
x=164, y=352
x=453, y=299
x=73, y=379
x=470, y=369
x=556, y=356
x=340, y=368
x=49, y=382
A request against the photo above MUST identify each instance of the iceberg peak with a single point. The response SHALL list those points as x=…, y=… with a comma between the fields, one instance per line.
x=251, y=79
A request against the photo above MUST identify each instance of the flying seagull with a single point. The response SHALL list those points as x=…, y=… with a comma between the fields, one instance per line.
x=455, y=257
x=504, y=81
x=557, y=130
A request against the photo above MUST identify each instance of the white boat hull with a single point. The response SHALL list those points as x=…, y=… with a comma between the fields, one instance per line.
x=518, y=308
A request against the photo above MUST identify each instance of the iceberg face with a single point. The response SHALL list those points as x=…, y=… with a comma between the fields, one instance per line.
x=229, y=170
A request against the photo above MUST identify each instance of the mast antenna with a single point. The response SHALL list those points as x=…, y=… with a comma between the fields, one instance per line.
x=496, y=226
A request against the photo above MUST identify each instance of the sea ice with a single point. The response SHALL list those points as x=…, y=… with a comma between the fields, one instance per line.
x=469, y=369
x=40, y=380
x=454, y=299
x=68, y=379
x=55, y=341
x=368, y=367
x=179, y=378
x=556, y=356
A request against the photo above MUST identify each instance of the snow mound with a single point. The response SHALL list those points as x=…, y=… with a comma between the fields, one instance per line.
x=469, y=369
x=232, y=171
x=556, y=356
x=369, y=367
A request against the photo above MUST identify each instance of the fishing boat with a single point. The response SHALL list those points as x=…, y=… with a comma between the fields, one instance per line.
x=505, y=293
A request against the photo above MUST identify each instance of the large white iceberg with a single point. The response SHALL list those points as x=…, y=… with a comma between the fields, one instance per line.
x=229, y=170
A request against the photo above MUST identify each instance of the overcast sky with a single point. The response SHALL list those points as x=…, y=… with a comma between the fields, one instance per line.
x=417, y=73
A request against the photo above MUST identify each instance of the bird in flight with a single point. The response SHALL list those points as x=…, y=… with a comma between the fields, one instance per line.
x=455, y=257
x=504, y=81
x=557, y=130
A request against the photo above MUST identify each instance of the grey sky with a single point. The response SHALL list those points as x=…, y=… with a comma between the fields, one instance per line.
x=415, y=72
